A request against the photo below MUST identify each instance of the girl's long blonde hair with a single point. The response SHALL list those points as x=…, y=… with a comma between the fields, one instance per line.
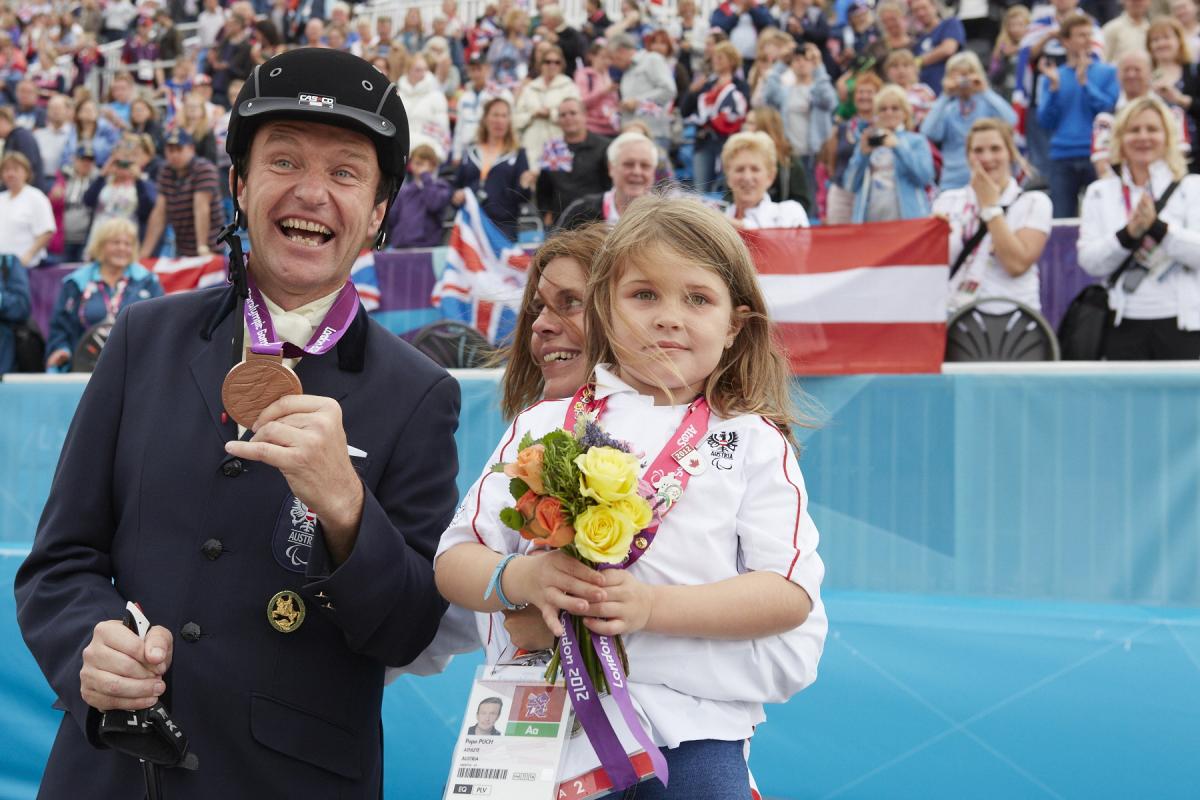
x=752, y=376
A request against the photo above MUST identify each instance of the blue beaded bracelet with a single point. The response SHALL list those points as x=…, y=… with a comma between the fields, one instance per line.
x=494, y=585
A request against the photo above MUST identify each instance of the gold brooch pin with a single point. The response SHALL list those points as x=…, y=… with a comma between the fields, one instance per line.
x=285, y=612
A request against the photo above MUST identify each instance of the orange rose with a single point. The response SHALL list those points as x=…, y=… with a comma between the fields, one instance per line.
x=549, y=526
x=528, y=467
x=527, y=503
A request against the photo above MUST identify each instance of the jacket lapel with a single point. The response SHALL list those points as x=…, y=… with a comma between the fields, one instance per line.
x=210, y=364
x=338, y=372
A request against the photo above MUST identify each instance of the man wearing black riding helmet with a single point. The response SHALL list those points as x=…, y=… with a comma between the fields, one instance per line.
x=264, y=469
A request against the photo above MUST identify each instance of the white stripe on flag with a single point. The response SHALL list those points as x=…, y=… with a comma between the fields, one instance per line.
x=168, y=265
x=865, y=294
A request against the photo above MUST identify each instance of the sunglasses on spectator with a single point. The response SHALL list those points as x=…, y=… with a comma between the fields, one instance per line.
x=551, y=61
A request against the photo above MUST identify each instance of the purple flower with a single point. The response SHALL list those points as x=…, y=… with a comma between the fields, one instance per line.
x=594, y=436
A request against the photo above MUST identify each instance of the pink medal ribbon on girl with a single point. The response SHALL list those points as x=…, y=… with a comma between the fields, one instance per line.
x=666, y=470
x=264, y=341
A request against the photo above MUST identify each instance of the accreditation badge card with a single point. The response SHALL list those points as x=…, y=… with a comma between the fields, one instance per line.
x=512, y=737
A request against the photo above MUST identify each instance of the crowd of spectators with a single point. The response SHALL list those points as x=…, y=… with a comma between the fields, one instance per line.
x=860, y=111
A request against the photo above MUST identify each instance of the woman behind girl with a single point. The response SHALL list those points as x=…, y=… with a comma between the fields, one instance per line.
x=1004, y=262
x=545, y=359
x=674, y=315
x=1157, y=298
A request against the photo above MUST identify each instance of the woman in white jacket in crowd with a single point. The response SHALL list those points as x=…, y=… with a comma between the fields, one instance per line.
x=1156, y=299
x=536, y=114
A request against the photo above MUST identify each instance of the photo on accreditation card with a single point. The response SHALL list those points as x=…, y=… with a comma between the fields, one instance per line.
x=511, y=741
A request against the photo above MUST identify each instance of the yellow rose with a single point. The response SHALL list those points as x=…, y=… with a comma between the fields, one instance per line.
x=608, y=474
x=603, y=534
x=637, y=509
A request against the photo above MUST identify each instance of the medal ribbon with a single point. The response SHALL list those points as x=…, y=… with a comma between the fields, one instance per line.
x=264, y=341
x=111, y=305
x=595, y=723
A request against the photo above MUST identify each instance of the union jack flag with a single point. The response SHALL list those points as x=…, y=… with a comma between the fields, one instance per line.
x=557, y=156
x=484, y=277
x=649, y=108
x=365, y=279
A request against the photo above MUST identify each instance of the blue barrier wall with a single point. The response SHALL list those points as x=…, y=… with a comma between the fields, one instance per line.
x=1013, y=587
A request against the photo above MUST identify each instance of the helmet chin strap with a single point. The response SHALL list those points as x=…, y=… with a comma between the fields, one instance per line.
x=229, y=235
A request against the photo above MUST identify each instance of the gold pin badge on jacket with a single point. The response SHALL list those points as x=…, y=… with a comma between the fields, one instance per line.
x=285, y=612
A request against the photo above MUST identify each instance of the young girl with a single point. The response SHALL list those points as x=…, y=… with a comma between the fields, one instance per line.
x=1002, y=70
x=723, y=612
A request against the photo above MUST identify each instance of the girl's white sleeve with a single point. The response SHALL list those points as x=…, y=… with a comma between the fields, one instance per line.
x=775, y=534
x=478, y=516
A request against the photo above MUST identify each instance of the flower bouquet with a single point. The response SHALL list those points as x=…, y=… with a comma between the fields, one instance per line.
x=580, y=493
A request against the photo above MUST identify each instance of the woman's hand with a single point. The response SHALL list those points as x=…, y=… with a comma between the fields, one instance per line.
x=1143, y=217
x=986, y=191
x=58, y=358
x=527, y=629
x=890, y=140
x=626, y=607
x=629, y=104
x=528, y=178
x=458, y=198
x=1167, y=91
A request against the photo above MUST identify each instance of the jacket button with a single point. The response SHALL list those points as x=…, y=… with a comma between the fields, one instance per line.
x=190, y=632
x=233, y=468
x=212, y=549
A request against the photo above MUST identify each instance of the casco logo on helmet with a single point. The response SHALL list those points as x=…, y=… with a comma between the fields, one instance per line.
x=316, y=101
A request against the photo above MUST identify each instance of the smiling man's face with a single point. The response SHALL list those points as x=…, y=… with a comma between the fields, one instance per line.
x=309, y=199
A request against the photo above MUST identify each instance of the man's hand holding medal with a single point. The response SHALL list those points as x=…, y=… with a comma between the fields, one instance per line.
x=300, y=435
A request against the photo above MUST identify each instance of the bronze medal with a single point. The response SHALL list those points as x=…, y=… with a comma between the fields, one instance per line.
x=254, y=384
x=286, y=611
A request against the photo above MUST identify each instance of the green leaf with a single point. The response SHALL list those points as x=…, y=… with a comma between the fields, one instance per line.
x=517, y=488
x=526, y=441
x=559, y=473
x=498, y=467
x=512, y=518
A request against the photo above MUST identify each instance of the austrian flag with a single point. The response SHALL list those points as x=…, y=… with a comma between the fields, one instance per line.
x=857, y=298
